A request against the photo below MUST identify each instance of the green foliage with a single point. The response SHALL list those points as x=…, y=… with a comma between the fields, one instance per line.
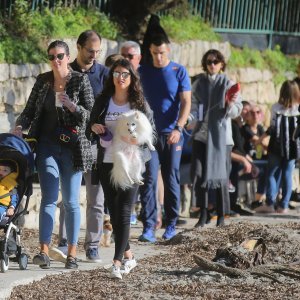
x=71, y=22
x=23, y=38
x=20, y=51
x=246, y=57
x=273, y=60
x=188, y=28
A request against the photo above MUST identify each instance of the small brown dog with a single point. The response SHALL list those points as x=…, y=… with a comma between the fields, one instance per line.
x=107, y=231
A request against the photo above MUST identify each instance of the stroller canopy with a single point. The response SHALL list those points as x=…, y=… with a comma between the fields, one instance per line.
x=15, y=148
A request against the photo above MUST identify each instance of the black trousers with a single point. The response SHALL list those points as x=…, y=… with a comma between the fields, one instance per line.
x=218, y=196
x=119, y=204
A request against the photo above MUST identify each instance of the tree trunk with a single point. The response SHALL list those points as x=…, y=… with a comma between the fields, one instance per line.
x=131, y=15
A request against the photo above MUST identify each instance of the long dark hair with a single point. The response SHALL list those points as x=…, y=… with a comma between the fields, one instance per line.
x=289, y=93
x=135, y=91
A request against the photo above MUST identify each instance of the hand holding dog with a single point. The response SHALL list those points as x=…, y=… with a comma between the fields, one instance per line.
x=174, y=137
x=98, y=128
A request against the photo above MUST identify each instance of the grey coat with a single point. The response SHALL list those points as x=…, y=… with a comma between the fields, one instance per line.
x=210, y=94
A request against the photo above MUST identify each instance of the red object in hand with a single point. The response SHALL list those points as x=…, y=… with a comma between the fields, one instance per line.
x=232, y=91
x=73, y=130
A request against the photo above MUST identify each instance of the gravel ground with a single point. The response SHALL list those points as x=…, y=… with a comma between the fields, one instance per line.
x=175, y=275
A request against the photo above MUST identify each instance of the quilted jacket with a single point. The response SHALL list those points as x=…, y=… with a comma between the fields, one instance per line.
x=79, y=90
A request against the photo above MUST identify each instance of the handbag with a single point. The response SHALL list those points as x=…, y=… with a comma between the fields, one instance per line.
x=66, y=136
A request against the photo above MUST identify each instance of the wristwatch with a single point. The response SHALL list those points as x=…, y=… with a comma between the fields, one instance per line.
x=179, y=128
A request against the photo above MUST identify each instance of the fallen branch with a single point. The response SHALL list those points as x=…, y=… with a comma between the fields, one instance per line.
x=267, y=271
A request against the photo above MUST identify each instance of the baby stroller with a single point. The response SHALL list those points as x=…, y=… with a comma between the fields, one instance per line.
x=17, y=150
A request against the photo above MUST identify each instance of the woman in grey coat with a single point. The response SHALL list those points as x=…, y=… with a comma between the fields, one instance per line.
x=212, y=135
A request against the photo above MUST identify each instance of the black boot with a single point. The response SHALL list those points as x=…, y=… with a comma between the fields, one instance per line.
x=220, y=221
x=203, y=218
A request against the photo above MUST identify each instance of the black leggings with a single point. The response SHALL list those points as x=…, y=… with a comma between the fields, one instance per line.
x=119, y=203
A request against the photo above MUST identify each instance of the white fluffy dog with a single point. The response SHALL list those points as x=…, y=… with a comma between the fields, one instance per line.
x=128, y=165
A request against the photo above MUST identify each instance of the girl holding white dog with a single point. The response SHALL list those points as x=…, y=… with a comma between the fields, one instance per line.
x=122, y=93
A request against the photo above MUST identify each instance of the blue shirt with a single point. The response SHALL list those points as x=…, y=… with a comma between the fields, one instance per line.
x=161, y=89
x=97, y=75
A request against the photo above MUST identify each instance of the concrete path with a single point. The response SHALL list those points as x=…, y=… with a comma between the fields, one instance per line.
x=14, y=276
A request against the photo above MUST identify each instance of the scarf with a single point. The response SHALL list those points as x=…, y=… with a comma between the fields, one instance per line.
x=213, y=100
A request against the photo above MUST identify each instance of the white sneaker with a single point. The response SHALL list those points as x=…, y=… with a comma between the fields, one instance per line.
x=128, y=265
x=115, y=272
x=57, y=255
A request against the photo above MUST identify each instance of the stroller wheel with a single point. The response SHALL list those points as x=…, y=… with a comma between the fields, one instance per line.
x=4, y=264
x=23, y=261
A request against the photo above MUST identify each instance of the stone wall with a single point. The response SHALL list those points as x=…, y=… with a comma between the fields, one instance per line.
x=16, y=82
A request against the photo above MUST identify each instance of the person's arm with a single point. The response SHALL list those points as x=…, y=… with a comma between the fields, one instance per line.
x=185, y=108
x=12, y=206
x=235, y=105
x=81, y=110
x=242, y=160
x=94, y=126
x=23, y=122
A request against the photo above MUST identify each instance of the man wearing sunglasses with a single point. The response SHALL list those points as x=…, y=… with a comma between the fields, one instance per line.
x=167, y=88
x=132, y=52
x=89, y=47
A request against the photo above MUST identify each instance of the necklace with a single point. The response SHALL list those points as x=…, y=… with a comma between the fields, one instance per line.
x=59, y=85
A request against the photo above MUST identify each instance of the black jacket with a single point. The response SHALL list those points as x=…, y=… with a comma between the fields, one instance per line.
x=98, y=116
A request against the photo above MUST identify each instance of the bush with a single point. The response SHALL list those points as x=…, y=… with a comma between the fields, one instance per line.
x=273, y=60
x=24, y=38
x=190, y=28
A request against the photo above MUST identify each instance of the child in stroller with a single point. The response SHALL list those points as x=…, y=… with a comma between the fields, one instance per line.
x=16, y=155
x=8, y=193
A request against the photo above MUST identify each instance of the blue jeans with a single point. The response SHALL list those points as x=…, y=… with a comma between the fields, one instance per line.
x=168, y=156
x=279, y=166
x=54, y=165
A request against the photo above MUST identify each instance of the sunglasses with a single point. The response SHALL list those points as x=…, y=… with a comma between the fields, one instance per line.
x=210, y=62
x=124, y=75
x=59, y=56
x=129, y=56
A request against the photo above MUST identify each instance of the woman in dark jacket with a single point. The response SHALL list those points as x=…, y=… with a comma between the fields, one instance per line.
x=122, y=92
x=60, y=98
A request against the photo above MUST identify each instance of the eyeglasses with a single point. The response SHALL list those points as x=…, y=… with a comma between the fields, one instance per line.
x=210, y=62
x=59, y=56
x=124, y=75
x=129, y=56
